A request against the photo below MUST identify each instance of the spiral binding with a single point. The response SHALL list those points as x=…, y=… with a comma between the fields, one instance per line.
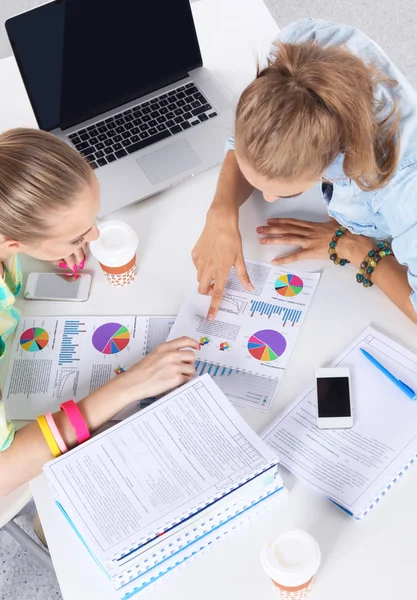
x=153, y=534
x=388, y=487
x=259, y=508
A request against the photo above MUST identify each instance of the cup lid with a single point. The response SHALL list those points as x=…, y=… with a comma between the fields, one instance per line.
x=292, y=559
x=116, y=244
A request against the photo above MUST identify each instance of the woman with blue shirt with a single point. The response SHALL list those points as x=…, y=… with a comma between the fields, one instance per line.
x=329, y=108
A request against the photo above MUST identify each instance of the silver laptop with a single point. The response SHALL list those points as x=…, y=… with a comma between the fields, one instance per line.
x=122, y=81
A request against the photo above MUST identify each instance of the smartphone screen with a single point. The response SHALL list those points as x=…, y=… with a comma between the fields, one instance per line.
x=56, y=286
x=333, y=397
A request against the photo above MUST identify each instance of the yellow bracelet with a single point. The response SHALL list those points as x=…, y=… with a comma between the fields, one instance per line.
x=47, y=434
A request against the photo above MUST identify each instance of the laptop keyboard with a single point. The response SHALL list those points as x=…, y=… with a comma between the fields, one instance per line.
x=143, y=125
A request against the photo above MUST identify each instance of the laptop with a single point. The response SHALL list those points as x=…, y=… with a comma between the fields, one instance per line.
x=123, y=83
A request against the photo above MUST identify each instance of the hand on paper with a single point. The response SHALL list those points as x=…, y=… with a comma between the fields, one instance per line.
x=312, y=238
x=167, y=367
x=216, y=252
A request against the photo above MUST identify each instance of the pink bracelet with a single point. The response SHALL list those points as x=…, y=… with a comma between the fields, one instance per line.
x=76, y=419
x=55, y=432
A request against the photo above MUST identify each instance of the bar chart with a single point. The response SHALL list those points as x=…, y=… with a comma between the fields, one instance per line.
x=285, y=314
x=68, y=353
x=202, y=367
x=243, y=389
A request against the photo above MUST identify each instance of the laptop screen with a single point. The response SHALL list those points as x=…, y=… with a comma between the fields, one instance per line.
x=80, y=58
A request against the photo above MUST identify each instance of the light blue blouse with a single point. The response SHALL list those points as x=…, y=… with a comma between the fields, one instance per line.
x=391, y=212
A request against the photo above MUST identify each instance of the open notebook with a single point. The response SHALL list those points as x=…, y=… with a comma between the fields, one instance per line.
x=159, y=487
x=355, y=467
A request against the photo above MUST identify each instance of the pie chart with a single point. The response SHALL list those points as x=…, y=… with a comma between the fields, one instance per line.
x=111, y=338
x=288, y=285
x=267, y=345
x=34, y=339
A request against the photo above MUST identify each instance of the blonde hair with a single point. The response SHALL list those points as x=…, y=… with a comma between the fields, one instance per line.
x=311, y=104
x=39, y=174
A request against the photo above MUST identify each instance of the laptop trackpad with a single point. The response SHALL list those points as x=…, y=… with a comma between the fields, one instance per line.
x=172, y=160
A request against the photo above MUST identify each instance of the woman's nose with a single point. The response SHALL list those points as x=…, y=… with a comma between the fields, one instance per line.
x=269, y=197
x=93, y=234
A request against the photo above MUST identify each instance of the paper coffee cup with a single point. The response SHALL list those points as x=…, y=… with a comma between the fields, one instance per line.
x=291, y=561
x=115, y=250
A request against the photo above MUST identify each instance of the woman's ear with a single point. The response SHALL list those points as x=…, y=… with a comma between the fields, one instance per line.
x=8, y=247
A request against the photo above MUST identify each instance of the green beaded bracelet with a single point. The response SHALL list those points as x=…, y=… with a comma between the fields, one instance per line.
x=370, y=262
x=332, y=247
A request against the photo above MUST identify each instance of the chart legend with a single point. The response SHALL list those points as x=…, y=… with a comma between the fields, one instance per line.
x=68, y=354
x=267, y=345
x=289, y=285
x=285, y=314
x=34, y=339
x=111, y=338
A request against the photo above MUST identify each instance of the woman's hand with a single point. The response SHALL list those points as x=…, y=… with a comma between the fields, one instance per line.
x=312, y=238
x=75, y=261
x=216, y=252
x=167, y=367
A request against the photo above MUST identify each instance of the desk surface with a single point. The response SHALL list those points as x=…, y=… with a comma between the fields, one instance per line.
x=354, y=554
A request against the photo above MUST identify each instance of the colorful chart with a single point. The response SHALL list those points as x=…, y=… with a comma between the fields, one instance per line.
x=267, y=345
x=289, y=285
x=224, y=346
x=34, y=339
x=204, y=341
x=111, y=338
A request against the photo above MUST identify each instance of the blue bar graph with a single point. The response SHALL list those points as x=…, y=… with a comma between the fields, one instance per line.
x=263, y=309
x=202, y=367
x=69, y=347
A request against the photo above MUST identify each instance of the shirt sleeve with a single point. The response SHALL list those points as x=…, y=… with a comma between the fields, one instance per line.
x=7, y=429
x=398, y=206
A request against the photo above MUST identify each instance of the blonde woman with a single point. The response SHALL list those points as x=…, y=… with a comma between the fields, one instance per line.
x=49, y=199
x=330, y=108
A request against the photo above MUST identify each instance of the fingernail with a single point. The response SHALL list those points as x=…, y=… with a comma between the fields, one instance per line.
x=210, y=318
x=199, y=346
x=260, y=229
x=251, y=288
x=75, y=268
x=63, y=265
x=262, y=241
x=81, y=265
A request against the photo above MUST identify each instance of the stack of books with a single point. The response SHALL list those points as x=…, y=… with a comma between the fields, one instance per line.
x=157, y=489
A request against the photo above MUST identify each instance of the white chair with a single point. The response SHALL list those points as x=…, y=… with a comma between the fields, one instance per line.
x=10, y=506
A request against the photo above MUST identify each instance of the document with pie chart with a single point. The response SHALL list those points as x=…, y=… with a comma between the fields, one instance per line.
x=54, y=359
x=248, y=345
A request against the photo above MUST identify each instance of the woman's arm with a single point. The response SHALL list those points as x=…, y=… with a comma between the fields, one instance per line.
x=220, y=244
x=167, y=367
x=389, y=275
x=313, y=242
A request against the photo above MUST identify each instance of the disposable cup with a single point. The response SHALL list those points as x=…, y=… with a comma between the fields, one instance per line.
x=291, y=561
x=115, y=250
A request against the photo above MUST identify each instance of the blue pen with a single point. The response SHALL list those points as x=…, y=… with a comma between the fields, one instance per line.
x=400, y=384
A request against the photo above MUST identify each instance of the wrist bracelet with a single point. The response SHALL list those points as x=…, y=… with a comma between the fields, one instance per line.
x=55, y=432
x=370, y=262
x=332, y=248
x=49, y=438
x=76, y=419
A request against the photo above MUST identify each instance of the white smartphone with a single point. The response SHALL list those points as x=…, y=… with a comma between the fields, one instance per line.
x=334, y=405
x=58, y=287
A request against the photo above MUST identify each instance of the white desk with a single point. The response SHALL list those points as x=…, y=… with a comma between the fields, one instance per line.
x=372, y=559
